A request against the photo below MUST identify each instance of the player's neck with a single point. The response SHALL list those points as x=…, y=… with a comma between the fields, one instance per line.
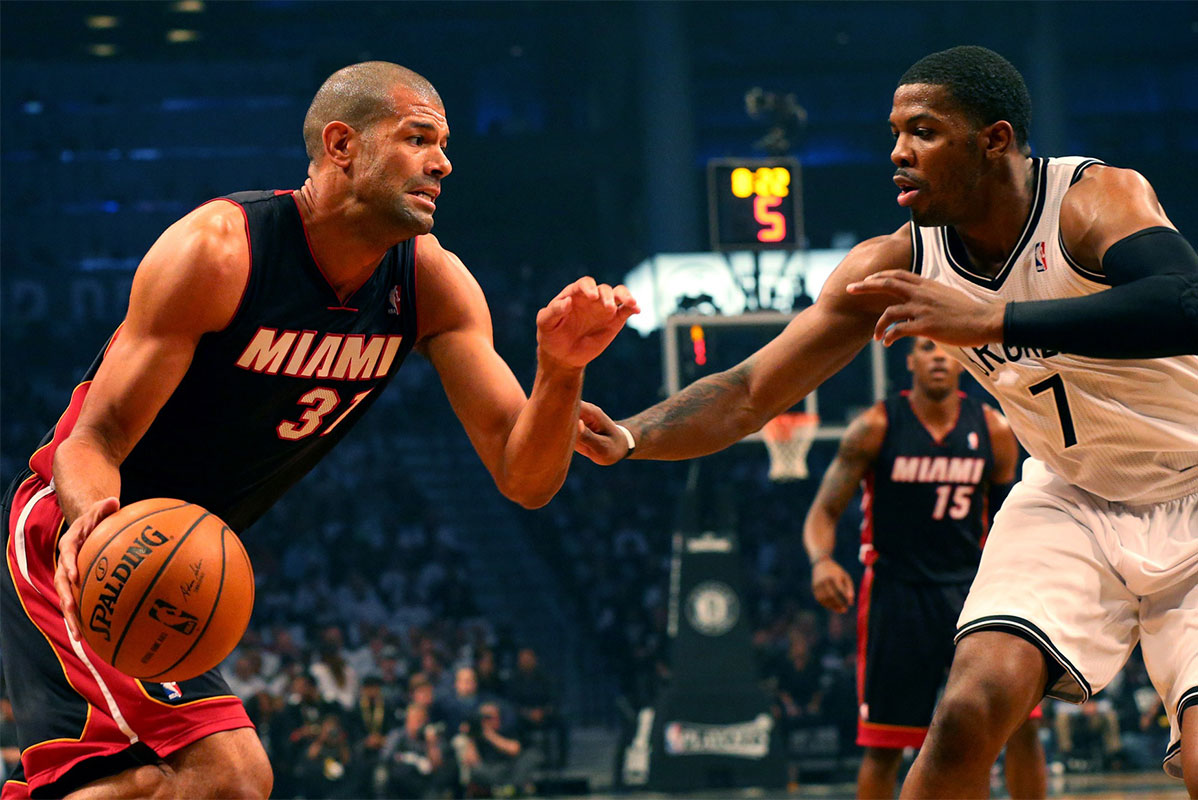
x=936, y=412
x=1005, y=202
x=346, y=253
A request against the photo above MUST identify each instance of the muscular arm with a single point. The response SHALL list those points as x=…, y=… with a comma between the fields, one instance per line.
x=858, y=451
x=204, y=255
x=525, y=442
x=1151, y=310
x=721, y=409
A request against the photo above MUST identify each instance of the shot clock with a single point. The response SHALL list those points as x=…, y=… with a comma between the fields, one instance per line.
x=754, y=204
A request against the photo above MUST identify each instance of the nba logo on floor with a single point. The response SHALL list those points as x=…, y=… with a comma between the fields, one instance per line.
x=172, y=690
x=1041, y=259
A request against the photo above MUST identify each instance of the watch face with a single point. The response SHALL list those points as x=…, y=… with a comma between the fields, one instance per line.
x=754, y=203
x=712, y=608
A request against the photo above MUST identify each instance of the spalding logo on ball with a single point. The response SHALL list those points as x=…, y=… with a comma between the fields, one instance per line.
x=167, y=590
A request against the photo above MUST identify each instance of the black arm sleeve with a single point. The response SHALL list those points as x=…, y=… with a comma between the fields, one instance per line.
x=1150, y=311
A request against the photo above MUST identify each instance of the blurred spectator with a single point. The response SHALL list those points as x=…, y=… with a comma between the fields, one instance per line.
x=1087, y=735
x=368, y=726
x=534, y=693
x=491, y=763
x=365, y=659
x=799, y=679
x=462, y=705
x=297, y=725
x=423, y=693
x=415, y=759
x=487, y=673
x=391, y=677
x=324, y=767
x=337, y=680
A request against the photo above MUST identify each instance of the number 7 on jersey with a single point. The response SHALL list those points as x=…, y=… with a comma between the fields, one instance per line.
x=1054, y=383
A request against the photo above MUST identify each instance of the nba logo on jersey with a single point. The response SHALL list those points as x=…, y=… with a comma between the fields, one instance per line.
x=393, y=301
x=1041, y=258
x=972, y=438
x=172, y=690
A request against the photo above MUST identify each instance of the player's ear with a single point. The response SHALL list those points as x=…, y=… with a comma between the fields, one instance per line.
x=997, y=139
x=340, y=141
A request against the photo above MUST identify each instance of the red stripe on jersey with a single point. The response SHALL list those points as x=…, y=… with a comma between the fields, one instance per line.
x=42, y=461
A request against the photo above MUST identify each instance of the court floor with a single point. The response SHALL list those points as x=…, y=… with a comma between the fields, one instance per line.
x=1097, y=786
x=1112, y=786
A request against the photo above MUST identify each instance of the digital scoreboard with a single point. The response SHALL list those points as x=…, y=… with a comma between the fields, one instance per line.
x=754, y=203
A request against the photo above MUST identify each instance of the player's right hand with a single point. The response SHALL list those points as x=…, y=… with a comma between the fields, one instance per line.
x=66, y=574
x=832, y=586
x=598, y=437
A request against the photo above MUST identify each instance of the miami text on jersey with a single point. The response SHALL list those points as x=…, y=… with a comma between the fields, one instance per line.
x=937, y=469
x=346, y=357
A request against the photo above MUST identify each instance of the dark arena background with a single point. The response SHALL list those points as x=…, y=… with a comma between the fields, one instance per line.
x=593, y=138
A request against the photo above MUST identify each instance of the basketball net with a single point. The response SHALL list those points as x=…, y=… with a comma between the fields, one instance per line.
x=788, y=437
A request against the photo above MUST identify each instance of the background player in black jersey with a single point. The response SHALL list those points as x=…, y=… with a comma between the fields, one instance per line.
x=935, y=465
x=325, y=260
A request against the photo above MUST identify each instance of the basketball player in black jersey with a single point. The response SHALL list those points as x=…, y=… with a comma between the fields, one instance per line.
x=260, y=327
x=1127, y=329
x=934, y=465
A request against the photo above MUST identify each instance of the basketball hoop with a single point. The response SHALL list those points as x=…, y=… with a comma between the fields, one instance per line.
x=788, y=437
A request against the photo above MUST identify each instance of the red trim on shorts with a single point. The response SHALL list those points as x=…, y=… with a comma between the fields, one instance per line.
x=14, y=790
x=863, y=598
x=162, y=727
x=874, y=734
x=193, y=734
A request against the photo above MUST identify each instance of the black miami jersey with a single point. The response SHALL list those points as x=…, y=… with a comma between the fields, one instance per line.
x=925, y=500
x=264, y=399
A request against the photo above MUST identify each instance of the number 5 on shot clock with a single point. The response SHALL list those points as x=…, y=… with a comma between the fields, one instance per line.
x=754, y=203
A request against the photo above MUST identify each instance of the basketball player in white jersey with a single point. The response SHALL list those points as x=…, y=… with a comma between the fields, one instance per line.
x=1064, y=288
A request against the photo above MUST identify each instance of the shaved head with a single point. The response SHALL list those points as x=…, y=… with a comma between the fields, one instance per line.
x=359, y=95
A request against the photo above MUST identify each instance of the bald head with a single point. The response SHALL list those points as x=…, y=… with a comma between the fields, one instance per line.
x=359, y=95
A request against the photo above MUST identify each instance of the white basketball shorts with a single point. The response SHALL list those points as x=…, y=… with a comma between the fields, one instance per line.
x=1086, y=579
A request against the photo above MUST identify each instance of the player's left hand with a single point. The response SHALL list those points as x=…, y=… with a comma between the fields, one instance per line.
x=581, y=321
x=921, y=307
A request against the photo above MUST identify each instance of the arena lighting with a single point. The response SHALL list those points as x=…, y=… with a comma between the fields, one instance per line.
x=102, y=21
x=178, y=35
x=188, y=6
x=102, y=50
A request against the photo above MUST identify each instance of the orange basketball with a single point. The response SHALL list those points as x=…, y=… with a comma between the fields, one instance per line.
x=166, y=590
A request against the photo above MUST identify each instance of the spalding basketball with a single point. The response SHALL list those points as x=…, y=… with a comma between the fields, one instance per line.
x=166, y=590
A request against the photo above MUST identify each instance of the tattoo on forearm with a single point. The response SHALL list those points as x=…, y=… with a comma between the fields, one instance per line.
x=852, y=461
x=708, y=395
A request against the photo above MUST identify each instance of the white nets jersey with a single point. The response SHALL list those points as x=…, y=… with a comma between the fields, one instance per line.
x=1124, y=430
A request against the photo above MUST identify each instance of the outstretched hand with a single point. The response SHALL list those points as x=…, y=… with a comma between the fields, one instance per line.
x=921, y=307
x=581, y=321
x=66, y=574
x=598, y=437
